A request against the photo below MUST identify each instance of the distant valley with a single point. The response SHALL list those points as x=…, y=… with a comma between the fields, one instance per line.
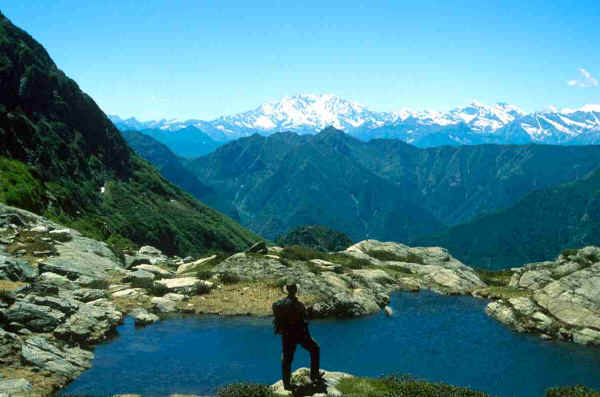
x=389, y=190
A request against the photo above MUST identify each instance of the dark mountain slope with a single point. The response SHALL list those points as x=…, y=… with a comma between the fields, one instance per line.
x=378, y=189
x=537, y=228
x=58, y=139
x=165, y=161
x=287, y=180
x=317, y=237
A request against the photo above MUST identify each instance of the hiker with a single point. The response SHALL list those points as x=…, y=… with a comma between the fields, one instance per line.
x=290, y=322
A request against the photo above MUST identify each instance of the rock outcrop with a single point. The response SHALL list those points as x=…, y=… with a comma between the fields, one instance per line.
x=361, y=288
x=304, y=387
x=563, y=300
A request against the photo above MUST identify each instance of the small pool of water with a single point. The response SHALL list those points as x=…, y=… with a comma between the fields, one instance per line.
x=439, y=338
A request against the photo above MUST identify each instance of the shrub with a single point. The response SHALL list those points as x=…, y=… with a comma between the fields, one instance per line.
x=204, y=274
x=229, y=278
x=158, y=289
x=349, y=261
x=390, y=256
x=300, y=253
x=569, y=251
x=245, y=390
x=497, y=278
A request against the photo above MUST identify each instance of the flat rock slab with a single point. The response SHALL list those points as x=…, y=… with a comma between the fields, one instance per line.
x=304, y=387
x=186, y=285
x=157, y=271
x=190, y=266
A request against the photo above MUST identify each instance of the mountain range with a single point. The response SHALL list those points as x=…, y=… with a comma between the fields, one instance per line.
x=387, y=189
x=475, y=123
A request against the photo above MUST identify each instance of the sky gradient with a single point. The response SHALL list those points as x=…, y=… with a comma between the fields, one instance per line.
x=203, y=59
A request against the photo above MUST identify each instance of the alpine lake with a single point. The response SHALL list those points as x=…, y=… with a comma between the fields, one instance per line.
x=446, y=339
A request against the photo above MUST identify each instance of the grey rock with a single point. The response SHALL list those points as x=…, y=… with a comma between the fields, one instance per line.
x=89, y=294
x=56, y=279
x=9, y=346
x=565, y=301
x=69, y=362
x=143, y=317
x=35, y=317
x=149, y=250
x=61, y=235
x=62, y=304
x=40, y=229
x=158, y=272
x=186, y=285
x=140, y=279
x=91, y=323
x=164, y=305
x=304, y=387
x=16, y=269
x=15, y=386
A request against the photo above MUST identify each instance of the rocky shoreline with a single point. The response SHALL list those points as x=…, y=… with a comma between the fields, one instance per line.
x=561, y=300
x=62, y=293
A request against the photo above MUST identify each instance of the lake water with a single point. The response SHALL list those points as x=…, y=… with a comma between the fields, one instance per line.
x=438, y=338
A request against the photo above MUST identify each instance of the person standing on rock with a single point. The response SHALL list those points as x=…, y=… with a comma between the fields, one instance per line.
x=290, y=321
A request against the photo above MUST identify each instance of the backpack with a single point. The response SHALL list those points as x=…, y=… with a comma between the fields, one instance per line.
x=280, y=315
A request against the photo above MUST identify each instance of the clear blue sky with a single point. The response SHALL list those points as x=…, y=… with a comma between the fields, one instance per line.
x=203, y=59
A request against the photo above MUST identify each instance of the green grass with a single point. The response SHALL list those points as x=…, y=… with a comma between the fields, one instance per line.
x=498, y=278
x=245, y=390
x=300, y=253
x=19, y=187
x=393, y=386
x=572, y=391
x=390, y=256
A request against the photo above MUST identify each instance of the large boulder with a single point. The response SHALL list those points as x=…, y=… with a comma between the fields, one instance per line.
x=92, y=323
x=434, y=266
x=164, y=305
x=43, y=354
x=34, y=317
x=143, y=317
x=140, y=279
x=304, y=387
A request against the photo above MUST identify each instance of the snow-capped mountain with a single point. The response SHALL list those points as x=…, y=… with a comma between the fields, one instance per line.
x=471, y=124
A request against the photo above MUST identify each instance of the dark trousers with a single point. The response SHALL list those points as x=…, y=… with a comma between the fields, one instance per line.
x=289, y=343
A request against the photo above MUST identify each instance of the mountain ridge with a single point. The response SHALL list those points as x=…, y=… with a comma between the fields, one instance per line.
x=474, y=123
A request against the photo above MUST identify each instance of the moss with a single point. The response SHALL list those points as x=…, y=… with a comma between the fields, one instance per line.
x=390, y=256
x=495, y=277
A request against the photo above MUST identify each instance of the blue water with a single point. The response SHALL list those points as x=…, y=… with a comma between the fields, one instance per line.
x=438, y=338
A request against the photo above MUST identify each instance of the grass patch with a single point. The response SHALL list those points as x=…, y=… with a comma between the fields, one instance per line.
x=497, y=278
x=394, y=386
x=349, y=261
x=229, y=278
x=496, y=292
x=390, y=256
x=300, y=253
x=9, y=286
x=20, y=185
x=572, y=391
x=245, y=390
